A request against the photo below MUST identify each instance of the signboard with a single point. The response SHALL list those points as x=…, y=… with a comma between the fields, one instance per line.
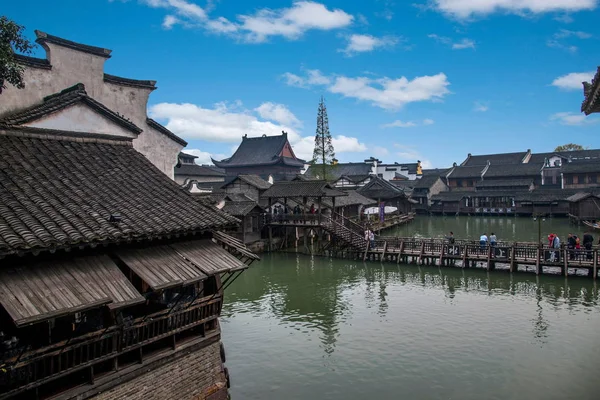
x=500, y=252
x=381, y=211
x=453, y=251
x=552, y=255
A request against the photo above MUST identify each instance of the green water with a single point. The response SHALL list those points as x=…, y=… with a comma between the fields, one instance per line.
x=511, y=229
x=297, y=327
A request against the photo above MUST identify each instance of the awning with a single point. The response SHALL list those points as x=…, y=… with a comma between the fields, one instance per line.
x=45, y=290
x=161, y=267
x=211, y=258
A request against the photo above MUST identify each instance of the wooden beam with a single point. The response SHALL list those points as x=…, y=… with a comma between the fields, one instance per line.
x=401, y=250
x=512, y=258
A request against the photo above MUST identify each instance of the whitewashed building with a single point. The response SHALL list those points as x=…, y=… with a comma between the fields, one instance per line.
x=67, y=64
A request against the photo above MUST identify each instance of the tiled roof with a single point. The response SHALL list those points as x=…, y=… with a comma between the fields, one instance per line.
x=579, y=196
x=502, y=158
x=239, y=208
x=146, y=84
x=546, y=195
x=302, y=189
x=411, y=167
x=354, y=198
x=486, y=183
x=591, y=93
x=335, y=172
x=43, y=37
x=573, y=155
x=450, y=196
x=426, y=181
x=379, y=188
x=580, y=167
x=263, y=150
x=515, y=170
x=68, y=97
x=256, y=181
x=61, y=194
x=152, y=123
x=460, y=172
x=196, y=170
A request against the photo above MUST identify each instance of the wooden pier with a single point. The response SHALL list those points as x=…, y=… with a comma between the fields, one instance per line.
x=515, y=257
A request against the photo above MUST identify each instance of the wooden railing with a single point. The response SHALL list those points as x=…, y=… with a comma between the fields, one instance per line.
x=34, y=368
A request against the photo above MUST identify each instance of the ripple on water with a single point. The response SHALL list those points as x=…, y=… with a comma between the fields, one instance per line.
x=297, y=329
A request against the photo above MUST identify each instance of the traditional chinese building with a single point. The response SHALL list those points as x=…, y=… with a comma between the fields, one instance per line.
x=264, y=156
x=68, y=63
x=111, y=276
x=591, y=93
x=197, y=178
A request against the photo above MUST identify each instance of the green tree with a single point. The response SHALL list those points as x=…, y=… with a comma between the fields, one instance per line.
x=323, y=155
x=569, y=147
x=11, y=41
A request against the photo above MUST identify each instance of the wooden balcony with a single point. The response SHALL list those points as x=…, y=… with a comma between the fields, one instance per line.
x=114, y=346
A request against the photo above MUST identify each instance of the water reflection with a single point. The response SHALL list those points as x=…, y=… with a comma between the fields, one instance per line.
x=297, y=327
x=318, y=293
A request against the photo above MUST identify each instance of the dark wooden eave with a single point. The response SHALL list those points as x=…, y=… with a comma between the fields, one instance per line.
x=145, y=84
x=43, y=37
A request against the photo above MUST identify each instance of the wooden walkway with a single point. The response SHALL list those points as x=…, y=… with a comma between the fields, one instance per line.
x=515, y=257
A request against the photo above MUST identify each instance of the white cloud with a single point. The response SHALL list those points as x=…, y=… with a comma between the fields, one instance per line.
x=572, y=119
x=169, y=21
x=468, y=8
x=480, y=107
x=227, y=123
x=565, y=18
x=291, y=22
x=460, y=45
x=365, y=43
x=559, y=39
x=204, y=157
x=345, y=144
x=573, y=81
x=407, y=124
x=278, y=113
x=380, y=151
x=313, y=77
x=384, y=92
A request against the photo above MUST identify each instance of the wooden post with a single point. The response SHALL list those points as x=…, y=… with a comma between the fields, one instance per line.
x=270, y=226
x=537, y=261
x=421, y=252
x=464, y=260
x=512, y=258
x=366, y=250
x=442, y=254
x=595, y=270
x=401, y=250
x=384, y=249
x=319, y=204
x=489, y=257
x=565, y=263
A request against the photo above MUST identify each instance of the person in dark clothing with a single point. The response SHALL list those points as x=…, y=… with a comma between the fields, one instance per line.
x=588, y=241
x=571, y=246
x=450, y=238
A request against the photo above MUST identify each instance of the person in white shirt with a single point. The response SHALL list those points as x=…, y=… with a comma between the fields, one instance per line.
x=483, y=239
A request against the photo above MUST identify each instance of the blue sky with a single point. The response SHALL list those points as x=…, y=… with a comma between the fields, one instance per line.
x=403, y=80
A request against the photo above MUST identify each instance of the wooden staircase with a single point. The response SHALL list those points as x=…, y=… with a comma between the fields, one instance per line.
x=345, y=232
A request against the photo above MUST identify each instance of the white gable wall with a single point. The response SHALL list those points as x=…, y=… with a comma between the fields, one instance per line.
x=80, y=117
x=70, y=67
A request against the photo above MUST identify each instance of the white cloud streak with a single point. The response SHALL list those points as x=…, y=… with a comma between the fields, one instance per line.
x=228, y=122
x=408, y=124
x=460, y=45
x=573, y=81
x=366, y=43
x=572, y=119
x=292, y=22
x=386, y=93
x=464, y=9
x=559, y=39
x=480, y=107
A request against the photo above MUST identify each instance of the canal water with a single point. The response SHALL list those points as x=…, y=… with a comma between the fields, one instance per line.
x=511, y=229
x=301, y=327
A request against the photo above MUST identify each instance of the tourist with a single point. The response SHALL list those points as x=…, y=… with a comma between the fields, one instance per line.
x=483, y=240
x=571, y=246
x=493, y=239
x=556, y=241
x=312, y=208
x=550, y=239
x=588, y=242
x=450, y=238
x=368, y=235
x=372, y=238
